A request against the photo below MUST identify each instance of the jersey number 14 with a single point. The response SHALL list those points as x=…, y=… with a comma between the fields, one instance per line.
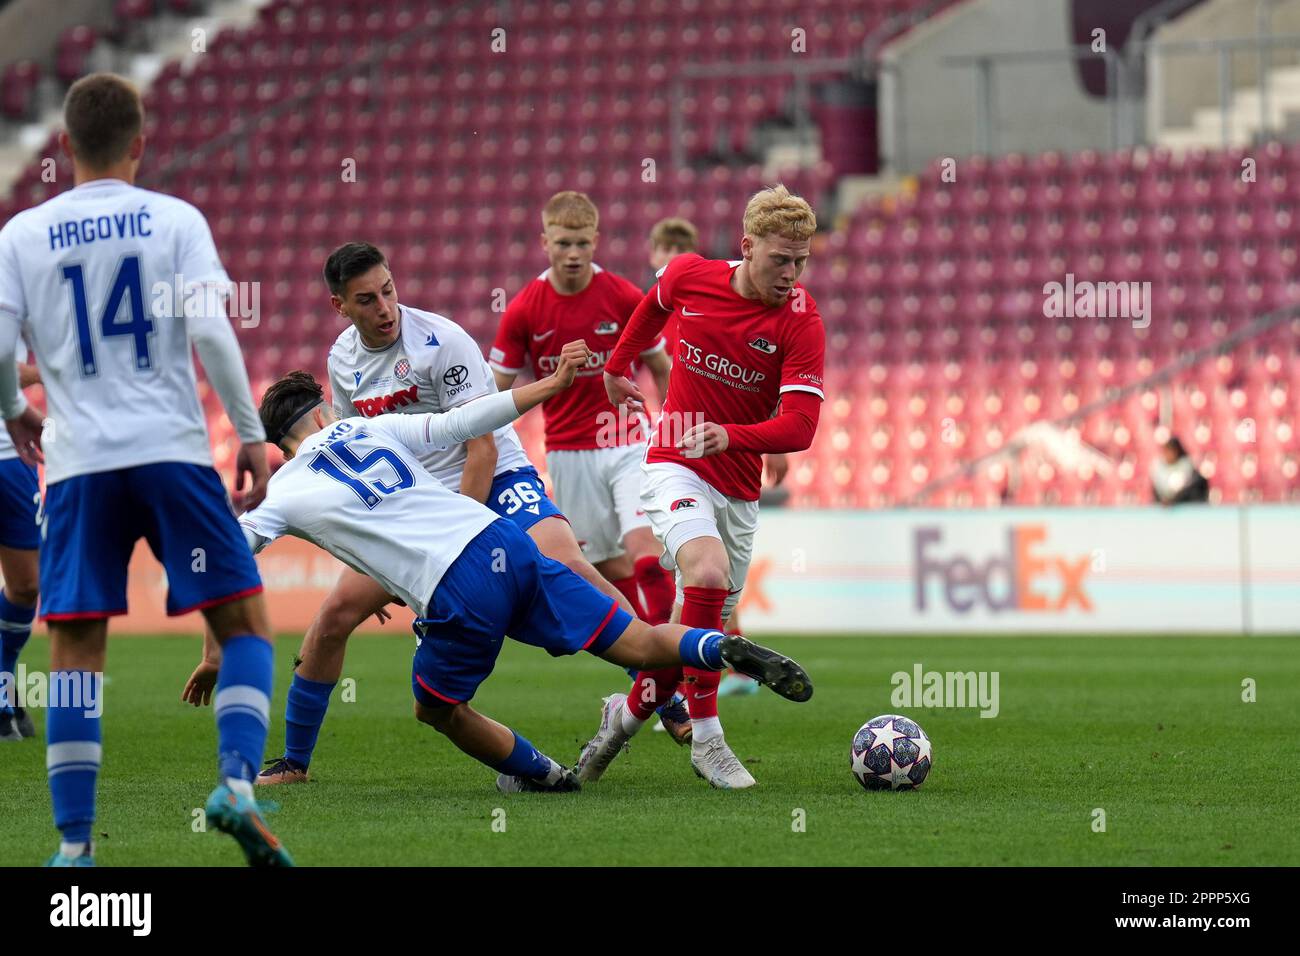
x=128, y=288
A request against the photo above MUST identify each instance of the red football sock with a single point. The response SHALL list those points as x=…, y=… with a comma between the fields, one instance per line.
x=703, y=608
x=627, y=587
x=658, y=588
x=650, y=689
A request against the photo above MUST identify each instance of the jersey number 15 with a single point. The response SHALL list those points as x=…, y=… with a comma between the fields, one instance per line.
x=336, y=460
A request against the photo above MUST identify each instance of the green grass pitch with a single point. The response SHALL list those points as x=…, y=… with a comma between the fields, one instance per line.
x=1153, y=731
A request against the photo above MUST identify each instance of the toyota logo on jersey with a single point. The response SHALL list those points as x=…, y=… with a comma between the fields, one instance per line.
x=681, y=503
x=455, y=375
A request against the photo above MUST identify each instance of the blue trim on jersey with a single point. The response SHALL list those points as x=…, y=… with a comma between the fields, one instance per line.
x=92, y=523
x=20, y=497
x=501, y=584
x=519, y=496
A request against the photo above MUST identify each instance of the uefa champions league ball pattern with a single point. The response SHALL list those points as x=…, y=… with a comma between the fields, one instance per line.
x=890, y=753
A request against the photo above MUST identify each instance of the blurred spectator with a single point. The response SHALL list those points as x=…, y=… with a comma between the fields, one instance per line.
x=1174, y=478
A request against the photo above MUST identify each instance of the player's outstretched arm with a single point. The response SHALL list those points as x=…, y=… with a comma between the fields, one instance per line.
x=487, y=414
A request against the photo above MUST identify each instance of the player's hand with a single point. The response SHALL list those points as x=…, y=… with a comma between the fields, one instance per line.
x=777, y=467
x=706, y=439
x=198, y=689
x=622, y=391
x=383, y=616
x=251, y=462
x=573, y=356
x=25, y=430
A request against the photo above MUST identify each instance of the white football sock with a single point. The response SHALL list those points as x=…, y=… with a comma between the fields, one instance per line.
x=556, y=773
x=72, y=850
x=705, y=728
x=242, y=787
x=628, y=723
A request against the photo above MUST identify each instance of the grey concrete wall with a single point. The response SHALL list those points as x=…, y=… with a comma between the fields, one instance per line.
x=1180, y=83
x=30, y=29
x=928, y=109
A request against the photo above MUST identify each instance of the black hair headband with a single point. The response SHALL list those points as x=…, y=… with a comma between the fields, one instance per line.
x=278, y=436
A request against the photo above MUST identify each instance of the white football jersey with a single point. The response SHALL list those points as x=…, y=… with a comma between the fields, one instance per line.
x=433, y=366
x=7, y=449
x=98, y=278
x=359, y=490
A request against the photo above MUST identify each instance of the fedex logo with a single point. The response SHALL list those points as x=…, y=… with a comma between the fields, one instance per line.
x=1023, y=578
x=370, y=407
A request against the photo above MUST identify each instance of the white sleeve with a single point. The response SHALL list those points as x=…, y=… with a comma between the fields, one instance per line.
x=436, y=430
x=262, y=525
x=343, y=406
x=12, y=401
x=458, y=371
x=214, y=340
x=13, y=310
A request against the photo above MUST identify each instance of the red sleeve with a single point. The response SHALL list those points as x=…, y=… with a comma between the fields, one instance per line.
x=509, y=352
x=805, y=358
x=792, y=430
x=640, y=334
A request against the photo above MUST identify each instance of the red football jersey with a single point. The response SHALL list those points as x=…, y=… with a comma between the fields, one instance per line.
x=734, y=359
x=539, y=321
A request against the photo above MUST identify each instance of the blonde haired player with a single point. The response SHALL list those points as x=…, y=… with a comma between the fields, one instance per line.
x=747, y=381
x=593, y=454
x=669, y=238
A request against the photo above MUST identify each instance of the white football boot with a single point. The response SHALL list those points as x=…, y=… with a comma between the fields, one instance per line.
x=713, y=761
x=610, y=739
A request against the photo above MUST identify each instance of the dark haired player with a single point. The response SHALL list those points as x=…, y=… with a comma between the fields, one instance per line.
x=396, y=359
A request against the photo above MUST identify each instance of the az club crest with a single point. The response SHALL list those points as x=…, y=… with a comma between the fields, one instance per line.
x=681, y=503
x=763, y=345
x=607, y=327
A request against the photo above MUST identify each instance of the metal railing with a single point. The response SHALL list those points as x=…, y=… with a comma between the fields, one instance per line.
x=1112, y=395
x=1224, y=48
x=985, y=106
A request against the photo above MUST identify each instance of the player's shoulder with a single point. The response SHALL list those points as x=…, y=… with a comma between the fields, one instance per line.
x=685, y=263
x=802, y=319
x=166, y=207
x=531, y=293
x=430, y=327
x=345, y=345
x=617, y=283
x=429, y=336
x=804, y=306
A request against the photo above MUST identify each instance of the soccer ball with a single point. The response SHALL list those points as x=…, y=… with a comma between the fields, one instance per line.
x=890, y=753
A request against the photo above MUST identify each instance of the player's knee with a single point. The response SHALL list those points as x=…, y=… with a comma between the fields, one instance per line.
x=22, y=591
x=707, y=576
x=335, y=622
x=245, y=616
x=440, y=717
